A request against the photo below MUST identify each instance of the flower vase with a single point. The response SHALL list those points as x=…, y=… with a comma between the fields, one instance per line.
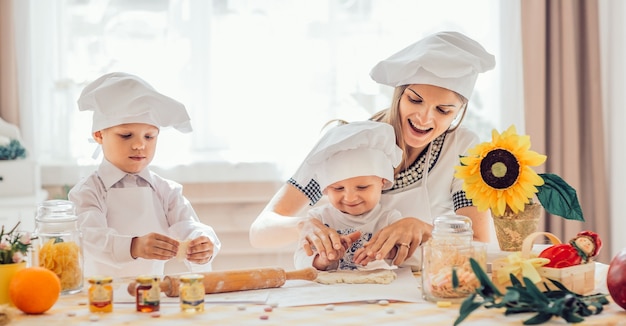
x=6, y=274
x=513, y=228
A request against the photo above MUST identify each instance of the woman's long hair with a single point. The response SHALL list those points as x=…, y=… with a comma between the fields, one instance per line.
x=392, y=117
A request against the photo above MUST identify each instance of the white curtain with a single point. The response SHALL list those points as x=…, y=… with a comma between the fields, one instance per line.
x=613, y=51
x=260, y=79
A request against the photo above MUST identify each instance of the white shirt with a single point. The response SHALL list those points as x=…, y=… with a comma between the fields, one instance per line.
x=174, y=215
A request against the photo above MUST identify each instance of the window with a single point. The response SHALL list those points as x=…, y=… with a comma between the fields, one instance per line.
x=259, y=78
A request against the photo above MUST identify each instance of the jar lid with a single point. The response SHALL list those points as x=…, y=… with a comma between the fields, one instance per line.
x=56, y=210
x=452, y=225
x=187, y=278
x=100, y=279
x=144, y=279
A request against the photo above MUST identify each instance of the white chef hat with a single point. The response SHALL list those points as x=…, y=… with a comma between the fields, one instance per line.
x=117, y=98
x=446, y=59
x=361, y=148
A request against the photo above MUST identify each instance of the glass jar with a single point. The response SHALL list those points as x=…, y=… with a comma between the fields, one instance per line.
x=455, y=230
x=192, y=292
x=59, y=246
x=100, y=294
x=446, y=271
x=148, y=293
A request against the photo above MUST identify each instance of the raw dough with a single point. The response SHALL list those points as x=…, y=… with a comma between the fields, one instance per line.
x=378, y=276
x=182, y=250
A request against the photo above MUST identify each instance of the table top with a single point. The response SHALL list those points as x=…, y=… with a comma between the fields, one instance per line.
x=363, y=313
x=73, y=309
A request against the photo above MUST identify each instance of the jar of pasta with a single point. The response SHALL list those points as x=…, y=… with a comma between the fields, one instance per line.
x=447, y=274
x=452, y=230
x=58, y=246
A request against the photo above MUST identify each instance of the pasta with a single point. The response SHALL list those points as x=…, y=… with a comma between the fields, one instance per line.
x=442, y=263
x=64, y=259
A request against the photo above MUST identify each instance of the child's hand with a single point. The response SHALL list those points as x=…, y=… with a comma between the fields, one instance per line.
x=153, y=246
x=200, y=250
x=321, y=262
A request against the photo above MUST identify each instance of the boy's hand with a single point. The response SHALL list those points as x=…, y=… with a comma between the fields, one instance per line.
x=200, y=250
x=153, y=246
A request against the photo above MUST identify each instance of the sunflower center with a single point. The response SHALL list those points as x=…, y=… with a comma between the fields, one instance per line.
x=499, y=169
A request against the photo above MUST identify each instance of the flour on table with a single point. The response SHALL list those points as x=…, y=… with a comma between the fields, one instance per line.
x=378, y=276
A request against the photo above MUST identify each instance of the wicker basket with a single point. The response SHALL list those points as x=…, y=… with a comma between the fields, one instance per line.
x=578, y=279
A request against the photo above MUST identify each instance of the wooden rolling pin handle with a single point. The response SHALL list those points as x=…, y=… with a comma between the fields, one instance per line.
x=308, y=274
x=165, y=286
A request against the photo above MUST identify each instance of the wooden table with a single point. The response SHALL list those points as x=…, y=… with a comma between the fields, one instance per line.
x=72, y=310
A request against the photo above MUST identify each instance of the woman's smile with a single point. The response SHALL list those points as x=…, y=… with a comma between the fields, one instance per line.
x=417, y=129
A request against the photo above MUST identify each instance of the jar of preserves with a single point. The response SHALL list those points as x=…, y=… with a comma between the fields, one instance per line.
x=100, y=294
x=147, y=293
x=59, y=243
x=192, y=292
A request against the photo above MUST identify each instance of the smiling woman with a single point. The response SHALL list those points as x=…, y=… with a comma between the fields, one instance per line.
x=241, y=68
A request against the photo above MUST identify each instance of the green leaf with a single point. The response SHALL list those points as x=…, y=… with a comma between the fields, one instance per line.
x=467, y=308
x=558, y=285
x=534, y=291
x=511, y=297
x=540, y=318
x=571, y=317
x=455, y=278
x=559, y=198
x=487, y=288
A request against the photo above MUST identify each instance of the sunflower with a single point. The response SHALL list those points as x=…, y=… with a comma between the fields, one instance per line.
x=499, y=174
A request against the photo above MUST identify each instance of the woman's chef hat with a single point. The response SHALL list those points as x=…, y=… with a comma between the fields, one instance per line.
x=355, y=149
x=117, y=98
x=447, y=59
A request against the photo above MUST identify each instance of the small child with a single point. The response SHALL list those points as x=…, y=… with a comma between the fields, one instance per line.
x=353, y=163
x=133, y=220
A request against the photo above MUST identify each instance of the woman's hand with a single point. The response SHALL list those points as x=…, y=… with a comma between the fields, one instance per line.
x=402, y=236
x=316, y=236
x=324, y=263
x=153, y=246
x=200, y=250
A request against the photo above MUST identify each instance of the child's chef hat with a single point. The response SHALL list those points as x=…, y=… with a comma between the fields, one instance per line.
x=117, y=98
x=447, y=59
x=355, y=149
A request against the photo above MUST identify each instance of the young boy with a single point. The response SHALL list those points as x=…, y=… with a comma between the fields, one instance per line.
x=353, y=163
x=133, y=220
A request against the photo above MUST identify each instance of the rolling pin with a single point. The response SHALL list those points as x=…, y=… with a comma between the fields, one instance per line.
x=236, y=280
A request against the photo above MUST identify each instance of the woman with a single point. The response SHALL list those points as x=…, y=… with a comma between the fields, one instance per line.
x=433, y=80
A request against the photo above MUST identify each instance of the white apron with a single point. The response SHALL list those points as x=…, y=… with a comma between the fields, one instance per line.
x=133, y=211
x=413, y=200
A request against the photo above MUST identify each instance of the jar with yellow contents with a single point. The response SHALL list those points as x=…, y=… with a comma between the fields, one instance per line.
x=147, y=293
x=192, y=292
x=59, y=243
x=101, y=294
